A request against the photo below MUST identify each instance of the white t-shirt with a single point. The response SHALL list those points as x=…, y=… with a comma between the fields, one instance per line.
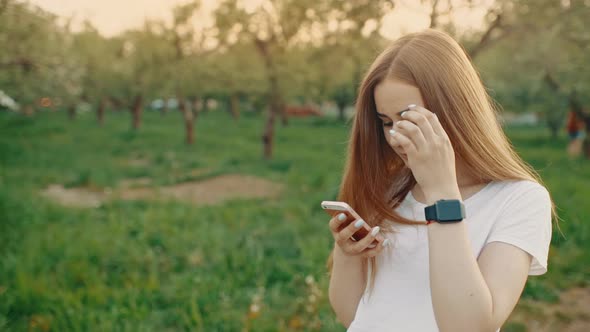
x=514, y=212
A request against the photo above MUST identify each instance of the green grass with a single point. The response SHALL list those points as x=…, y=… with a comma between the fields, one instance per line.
x=169, y=266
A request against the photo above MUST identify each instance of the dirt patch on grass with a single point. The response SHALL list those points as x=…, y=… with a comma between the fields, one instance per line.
x=222, y=188
x=75, y=197
x=134, y=183
x=570, y=314
x=211, y=191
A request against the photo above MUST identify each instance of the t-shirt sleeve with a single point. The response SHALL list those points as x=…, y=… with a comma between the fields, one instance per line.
x=525, y=222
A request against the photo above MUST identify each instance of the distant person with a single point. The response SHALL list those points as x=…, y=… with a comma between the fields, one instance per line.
x=575, y=130
x=461, y=219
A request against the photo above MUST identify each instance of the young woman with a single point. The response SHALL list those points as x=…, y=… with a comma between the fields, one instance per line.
x=425, y=134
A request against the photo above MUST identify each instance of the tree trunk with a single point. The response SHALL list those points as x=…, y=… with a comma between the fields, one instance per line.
x=341, y=114
x=100, y=111
x=136, y=110
x=586, y=143
x=187, y=114
x=553, y=130
x=268, y=136
x=275, y=97
x=586, y=147
x=72, y=112
x=234, y=106
x=283, y=110
x=165, y=108
x=205, y=108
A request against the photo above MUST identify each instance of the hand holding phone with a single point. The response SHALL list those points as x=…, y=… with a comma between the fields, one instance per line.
x=351, y=233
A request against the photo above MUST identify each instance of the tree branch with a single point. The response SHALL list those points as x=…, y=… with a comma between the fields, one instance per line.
x=486, y=38
x=573, y=101
x=25, y=64
x=3, y=6
x=434, y=15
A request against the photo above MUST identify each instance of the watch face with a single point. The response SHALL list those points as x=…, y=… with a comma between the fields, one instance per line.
x=450, y=210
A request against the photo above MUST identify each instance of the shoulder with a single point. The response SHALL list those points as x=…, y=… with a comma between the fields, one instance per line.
x=518, y=185
x=513, y=198
x=511, y=191
x=520, y=201
x=523, y=214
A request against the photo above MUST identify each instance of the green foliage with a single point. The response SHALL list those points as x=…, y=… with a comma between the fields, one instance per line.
x=34, y=62
x=539, y=38
x=313, y=57
x=319, y=50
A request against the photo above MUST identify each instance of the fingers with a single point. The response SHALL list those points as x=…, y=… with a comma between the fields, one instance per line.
x=372, y=252
x=411, y=131
x=432, y=119
x=345, y=234
x=370, y=245
x=337, y=221
x=401, y=140
x=363, y=243
x=422, y=118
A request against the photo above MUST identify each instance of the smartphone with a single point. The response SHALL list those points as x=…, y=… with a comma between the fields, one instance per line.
x=334, y=208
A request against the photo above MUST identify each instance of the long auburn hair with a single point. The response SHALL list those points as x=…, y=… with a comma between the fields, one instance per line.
x=375, y=179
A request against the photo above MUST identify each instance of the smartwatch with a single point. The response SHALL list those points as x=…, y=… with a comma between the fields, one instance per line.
x=445, y=211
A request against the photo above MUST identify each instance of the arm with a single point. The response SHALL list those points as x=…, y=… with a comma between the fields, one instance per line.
x=347, y=284
x=348, y=281
x=470, y=295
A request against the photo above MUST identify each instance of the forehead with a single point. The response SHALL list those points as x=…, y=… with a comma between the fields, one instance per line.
x=392, y=96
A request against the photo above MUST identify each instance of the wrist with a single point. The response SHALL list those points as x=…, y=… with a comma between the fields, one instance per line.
x=436, y=194
x=341, y=257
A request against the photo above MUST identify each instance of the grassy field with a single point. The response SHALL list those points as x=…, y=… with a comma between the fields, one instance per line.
x=246, y=264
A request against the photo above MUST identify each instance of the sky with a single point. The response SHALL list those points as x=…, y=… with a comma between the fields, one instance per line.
x=114, y=16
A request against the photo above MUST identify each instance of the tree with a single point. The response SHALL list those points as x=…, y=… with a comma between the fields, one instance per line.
x=96, y=55
x=277, y=26
x=181, y=36
x=238, y=73
x=141, y=57
x=35, y=62
x=551, y=44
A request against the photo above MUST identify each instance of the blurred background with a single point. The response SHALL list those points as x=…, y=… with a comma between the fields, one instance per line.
x=162, y=162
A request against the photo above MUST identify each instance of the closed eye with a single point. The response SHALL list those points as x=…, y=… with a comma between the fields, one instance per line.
x=384, y=119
